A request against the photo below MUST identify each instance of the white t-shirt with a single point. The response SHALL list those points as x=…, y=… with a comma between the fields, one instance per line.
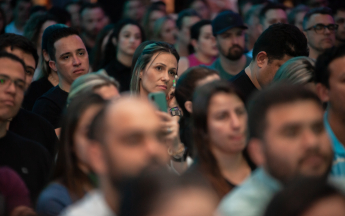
x=92, y=204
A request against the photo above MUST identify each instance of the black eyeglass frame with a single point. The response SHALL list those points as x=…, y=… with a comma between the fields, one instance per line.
x=336, y=26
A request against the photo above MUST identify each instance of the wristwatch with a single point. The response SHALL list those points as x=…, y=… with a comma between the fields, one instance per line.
x=175, y=111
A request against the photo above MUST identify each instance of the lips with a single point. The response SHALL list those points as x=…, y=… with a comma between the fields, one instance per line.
x=8, y=102
x=79, y=71
x=164, y=87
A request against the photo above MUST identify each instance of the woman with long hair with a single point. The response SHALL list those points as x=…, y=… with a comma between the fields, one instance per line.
x=72, y=177
x=126, y=37
x=220, y=129
x=165, y=30
x=153, y=13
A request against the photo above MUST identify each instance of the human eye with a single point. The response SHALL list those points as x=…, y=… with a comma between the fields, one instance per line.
x=318, y=128
x=291, y=132
x=160, y=68
x=173, y=73
x=221, y=115
x=81, y=53
x=319, y=27
x=65, y=57
x=20, y=84
x=240, y=111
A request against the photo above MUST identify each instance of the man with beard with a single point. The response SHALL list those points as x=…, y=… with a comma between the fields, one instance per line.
x=92, y=20
x=319, y=28
x=228, y=28
x=329, y=75
x=125, y=141
x=339, y=17
x=274, y=47
x=287, y=139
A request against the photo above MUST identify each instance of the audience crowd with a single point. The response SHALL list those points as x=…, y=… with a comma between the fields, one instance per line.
x=233, y=107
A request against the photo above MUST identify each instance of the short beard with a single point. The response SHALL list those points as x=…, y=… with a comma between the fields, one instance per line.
x=234, y=56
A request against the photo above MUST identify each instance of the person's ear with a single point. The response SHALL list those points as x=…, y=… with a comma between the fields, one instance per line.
x=194, y=43
x=262, y=59
x=141, y=74
x=256, y=151
x=323, y=92
x=52, y=65
x=189, y=106
x=45, y=55
x=96, y=157
x=113, y=40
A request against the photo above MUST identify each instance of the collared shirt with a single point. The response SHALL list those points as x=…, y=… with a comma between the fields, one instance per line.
x=222, y=73
x=252, y=197
x=11, y=28
x=338, y=168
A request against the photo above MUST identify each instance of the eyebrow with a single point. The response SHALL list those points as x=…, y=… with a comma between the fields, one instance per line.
x=80, y=49
x=163, y=65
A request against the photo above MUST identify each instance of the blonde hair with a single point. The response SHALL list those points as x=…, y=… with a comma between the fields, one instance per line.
x=89, y=82
x=145, y=58
x=157, y=29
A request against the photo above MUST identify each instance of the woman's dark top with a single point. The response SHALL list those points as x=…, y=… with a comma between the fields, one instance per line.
x=36, y=90
x=121, y=73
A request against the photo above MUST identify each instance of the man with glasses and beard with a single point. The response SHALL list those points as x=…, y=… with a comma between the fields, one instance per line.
x=125, y=140
x=228, y=28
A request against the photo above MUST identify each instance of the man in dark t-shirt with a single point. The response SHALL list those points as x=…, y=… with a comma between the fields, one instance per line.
x=70, y=60
x=29, y=159
x=274, y=47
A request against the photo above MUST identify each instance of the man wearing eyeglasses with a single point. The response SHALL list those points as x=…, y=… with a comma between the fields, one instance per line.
x=319, y=28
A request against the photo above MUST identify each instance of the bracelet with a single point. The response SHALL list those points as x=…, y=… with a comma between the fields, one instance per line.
x=175, y=111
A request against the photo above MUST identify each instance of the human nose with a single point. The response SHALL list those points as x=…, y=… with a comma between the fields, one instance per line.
x=309, y=139
x=76, y=61
x=165, y=76
x=235, y=121
x=327, y=31
x=11, y=87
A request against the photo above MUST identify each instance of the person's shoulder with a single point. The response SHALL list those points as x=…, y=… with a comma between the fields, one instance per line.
x=36, y=119
x=26, y=145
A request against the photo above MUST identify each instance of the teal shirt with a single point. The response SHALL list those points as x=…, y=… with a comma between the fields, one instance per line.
x=338, y=168
x=252, y=197
x=222, y=73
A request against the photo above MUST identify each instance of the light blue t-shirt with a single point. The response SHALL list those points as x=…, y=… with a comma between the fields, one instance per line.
x=338, y=168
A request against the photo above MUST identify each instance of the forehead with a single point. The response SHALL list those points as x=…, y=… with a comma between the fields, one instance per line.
x=320, y=18
x=275, y=13
x=89, y=12
x=222, y=99
x=131, y=28
x=68, y=44
x=340, y=13
x=206, y=28
x=12, y=68
x=164, y=58
x=26, y=57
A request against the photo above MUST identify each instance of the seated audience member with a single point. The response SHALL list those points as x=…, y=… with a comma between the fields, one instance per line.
x=253, y=32
x=98, y=82
x=296, y=16
x=47, y=77
x=287, y=139
x=122, y=43
x=228, y=28
x=73, y=7
x=315, y=3
x=339, y=19
x=69, y=58
x=114, y=128
x=298, y=70
x=98, y=50
x=163, y=193
x=272, y=13
x=187, y=82
x=8, y=10
x=34, y=31
x=2, y=21
x=329, y=72
x=155, y=71
x=92, y=21
x=204, y=44
x=152, y=14
x=184, y=22
x=133, y=9
x=308, y=197
x=62, y=15
x=165, y=30
x=161, y=5
x=21, y=11
x=72, y=176
x=29, y=159
x=319, y=28
x=220, y=129
x=14, y=193
x=201, y=7
x=26, y=123
x=274, y=47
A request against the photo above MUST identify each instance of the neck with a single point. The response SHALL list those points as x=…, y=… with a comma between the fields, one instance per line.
x=53, y=78
x=313, y=53
x=124, y=59
x=251, y=71
x=182, y=49
x=203, y=58
x=111, y=195
x=90, y=42
x=232, y=67
x=64, y=86
x=337, y=123
x=3, y=128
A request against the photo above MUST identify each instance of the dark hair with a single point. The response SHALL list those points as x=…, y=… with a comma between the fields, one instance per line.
x=276, y=94
x=300, y=196
x=2, y=31
x=97, y=54
x=295, y=11
x=207, y=161
x=322, y=72
x=33, y=26
x=183, y=14
x=89, y=6
x=61, y=15
x=37, y=9
x=189, y=3
x=57, y=35
x=97, y=127
x=66, y=169
x=4, y=54
x=267, y=7
x=195, y=30
x=159, y=3
x=280, y=40
x=338, y=6
x=319, y=10
x=146, y=19
x=110, y=51
x=14, y=3
x=15, y=41
x=138, y=52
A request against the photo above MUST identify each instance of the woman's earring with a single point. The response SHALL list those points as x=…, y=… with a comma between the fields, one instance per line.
x=174, y=81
